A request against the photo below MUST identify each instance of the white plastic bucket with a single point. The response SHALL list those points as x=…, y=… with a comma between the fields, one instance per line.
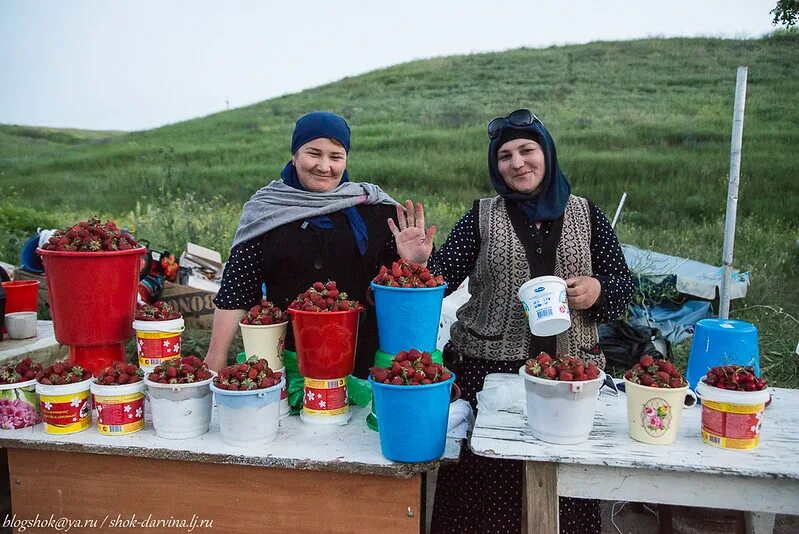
x=19, y=405
x=120, y=409
x=546, y=305
x=265, y=341
x=181, y=411
x=66, y=409
x=561, y=412
x=249, y=417
x=21, y=324
x=285, y=409
x=731, y=419
x=157, y=341
x=653, y=414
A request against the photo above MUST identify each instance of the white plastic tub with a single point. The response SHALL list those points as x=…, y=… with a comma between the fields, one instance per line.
x=731, y=419
x=546, y=304
x=120, y=408
x=180, y=411
x=21, y=325
x=248, y=417
x=66, y=408
x=561, y=412
x=158, y=341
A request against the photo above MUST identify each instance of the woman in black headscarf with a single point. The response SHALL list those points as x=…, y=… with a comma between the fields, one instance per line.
x=534, y=227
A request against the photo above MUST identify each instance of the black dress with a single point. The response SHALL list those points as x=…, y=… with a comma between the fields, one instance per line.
x=292, y=257
x=484, y=495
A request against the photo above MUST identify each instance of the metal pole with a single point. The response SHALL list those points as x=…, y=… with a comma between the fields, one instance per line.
x=732, y=191
x=618, y=210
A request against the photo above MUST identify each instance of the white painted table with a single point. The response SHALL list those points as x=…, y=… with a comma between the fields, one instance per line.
x=612, y=466
x=314, y=478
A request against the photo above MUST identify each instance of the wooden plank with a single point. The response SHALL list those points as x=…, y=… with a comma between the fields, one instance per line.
x=686, y=489
x=234, y=497
x=541, y=504
x=506, y=435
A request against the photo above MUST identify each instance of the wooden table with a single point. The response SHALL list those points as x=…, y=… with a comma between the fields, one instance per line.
x=612, y=466
x=309, y=479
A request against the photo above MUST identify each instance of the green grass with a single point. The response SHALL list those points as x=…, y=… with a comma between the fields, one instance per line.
x=650, y=117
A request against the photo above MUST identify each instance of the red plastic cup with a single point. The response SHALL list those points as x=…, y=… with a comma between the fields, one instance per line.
x=93, y=302
x=21, y=295
x=325, y=342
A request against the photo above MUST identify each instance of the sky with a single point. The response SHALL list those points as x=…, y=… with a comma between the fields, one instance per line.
x=134, y=65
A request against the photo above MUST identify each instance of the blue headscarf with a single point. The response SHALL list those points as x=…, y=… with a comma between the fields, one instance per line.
x=316, y=125
x=549, y=201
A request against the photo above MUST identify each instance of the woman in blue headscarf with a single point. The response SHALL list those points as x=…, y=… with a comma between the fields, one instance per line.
x=312, y=225
x=533, y=227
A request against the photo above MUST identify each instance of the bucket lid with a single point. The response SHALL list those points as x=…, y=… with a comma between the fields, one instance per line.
x=105, y=390
x=178, y=387
x=706, y=392
x=171, y=325
x=64, y=389
x=255, y=392
x=25, y=384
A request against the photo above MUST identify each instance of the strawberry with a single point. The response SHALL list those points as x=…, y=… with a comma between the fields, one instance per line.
x=252, y=374
x=563, y=367
x=91, y=236
x=62, y=372
x=656, y=373
x=21, y=371
x=735, y=378
x=410, y=368
x=407, y=275
x=265, y=313
x=119, y=373
x=324, y=298
x=183, y=370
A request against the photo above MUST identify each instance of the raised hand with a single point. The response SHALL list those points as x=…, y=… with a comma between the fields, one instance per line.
x=414, y=243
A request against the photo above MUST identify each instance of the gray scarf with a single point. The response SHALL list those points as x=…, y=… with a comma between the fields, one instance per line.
x=278, y=204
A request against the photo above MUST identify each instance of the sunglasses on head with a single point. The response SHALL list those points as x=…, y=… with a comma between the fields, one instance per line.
x=520, y=117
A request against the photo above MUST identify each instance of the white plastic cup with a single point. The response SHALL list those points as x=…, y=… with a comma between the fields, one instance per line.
x=181, y=411
x=546, y=305
x=561, y=412
x=249, y=417
x=21, y=325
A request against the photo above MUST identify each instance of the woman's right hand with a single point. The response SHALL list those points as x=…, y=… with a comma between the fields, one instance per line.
x=414, y=243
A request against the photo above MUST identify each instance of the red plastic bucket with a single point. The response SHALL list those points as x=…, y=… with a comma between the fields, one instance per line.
x=92, y=301
x=325, y=342
x=21, y=295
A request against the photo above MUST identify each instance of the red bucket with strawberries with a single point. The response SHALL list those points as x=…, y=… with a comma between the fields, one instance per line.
x=92, y=292
x=325, y=326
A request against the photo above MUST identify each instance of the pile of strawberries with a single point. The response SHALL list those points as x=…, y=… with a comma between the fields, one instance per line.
x=735, y=378
x=655, y=374
x=91, y=236
x=185, y=370
x=265, y=313
x=407, y=274
x=19, y=372
x=62, y=373
x=157, y=311
x=563, y=367
x=411, y=368
x=119, y=373
x=324, y=298
x=252, y=374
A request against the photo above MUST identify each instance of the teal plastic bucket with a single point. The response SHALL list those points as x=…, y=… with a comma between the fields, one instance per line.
x=722, y=342
x=412, y=420
x=408, y=318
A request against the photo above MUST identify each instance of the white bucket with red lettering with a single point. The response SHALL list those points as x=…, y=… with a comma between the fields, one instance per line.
x=325, y=402
x=157, y=341
x=66, y=408
x=285, y=409
x=731, y=419
x=546, y=305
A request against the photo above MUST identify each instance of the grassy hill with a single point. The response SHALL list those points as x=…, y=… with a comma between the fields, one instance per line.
x=650, y=117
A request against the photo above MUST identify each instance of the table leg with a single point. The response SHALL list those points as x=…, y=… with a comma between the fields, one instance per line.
x=759, y=523
x=541, y=498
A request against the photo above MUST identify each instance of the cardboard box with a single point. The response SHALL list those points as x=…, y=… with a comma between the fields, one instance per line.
x=195, y=304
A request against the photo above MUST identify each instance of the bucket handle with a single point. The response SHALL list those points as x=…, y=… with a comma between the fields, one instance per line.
x=454, y=393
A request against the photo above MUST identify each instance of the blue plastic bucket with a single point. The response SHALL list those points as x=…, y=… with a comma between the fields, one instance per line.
x=722, y=342
x=408, y=318
x=412, y=420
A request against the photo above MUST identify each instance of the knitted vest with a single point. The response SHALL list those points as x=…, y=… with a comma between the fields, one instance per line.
x=492, y=324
